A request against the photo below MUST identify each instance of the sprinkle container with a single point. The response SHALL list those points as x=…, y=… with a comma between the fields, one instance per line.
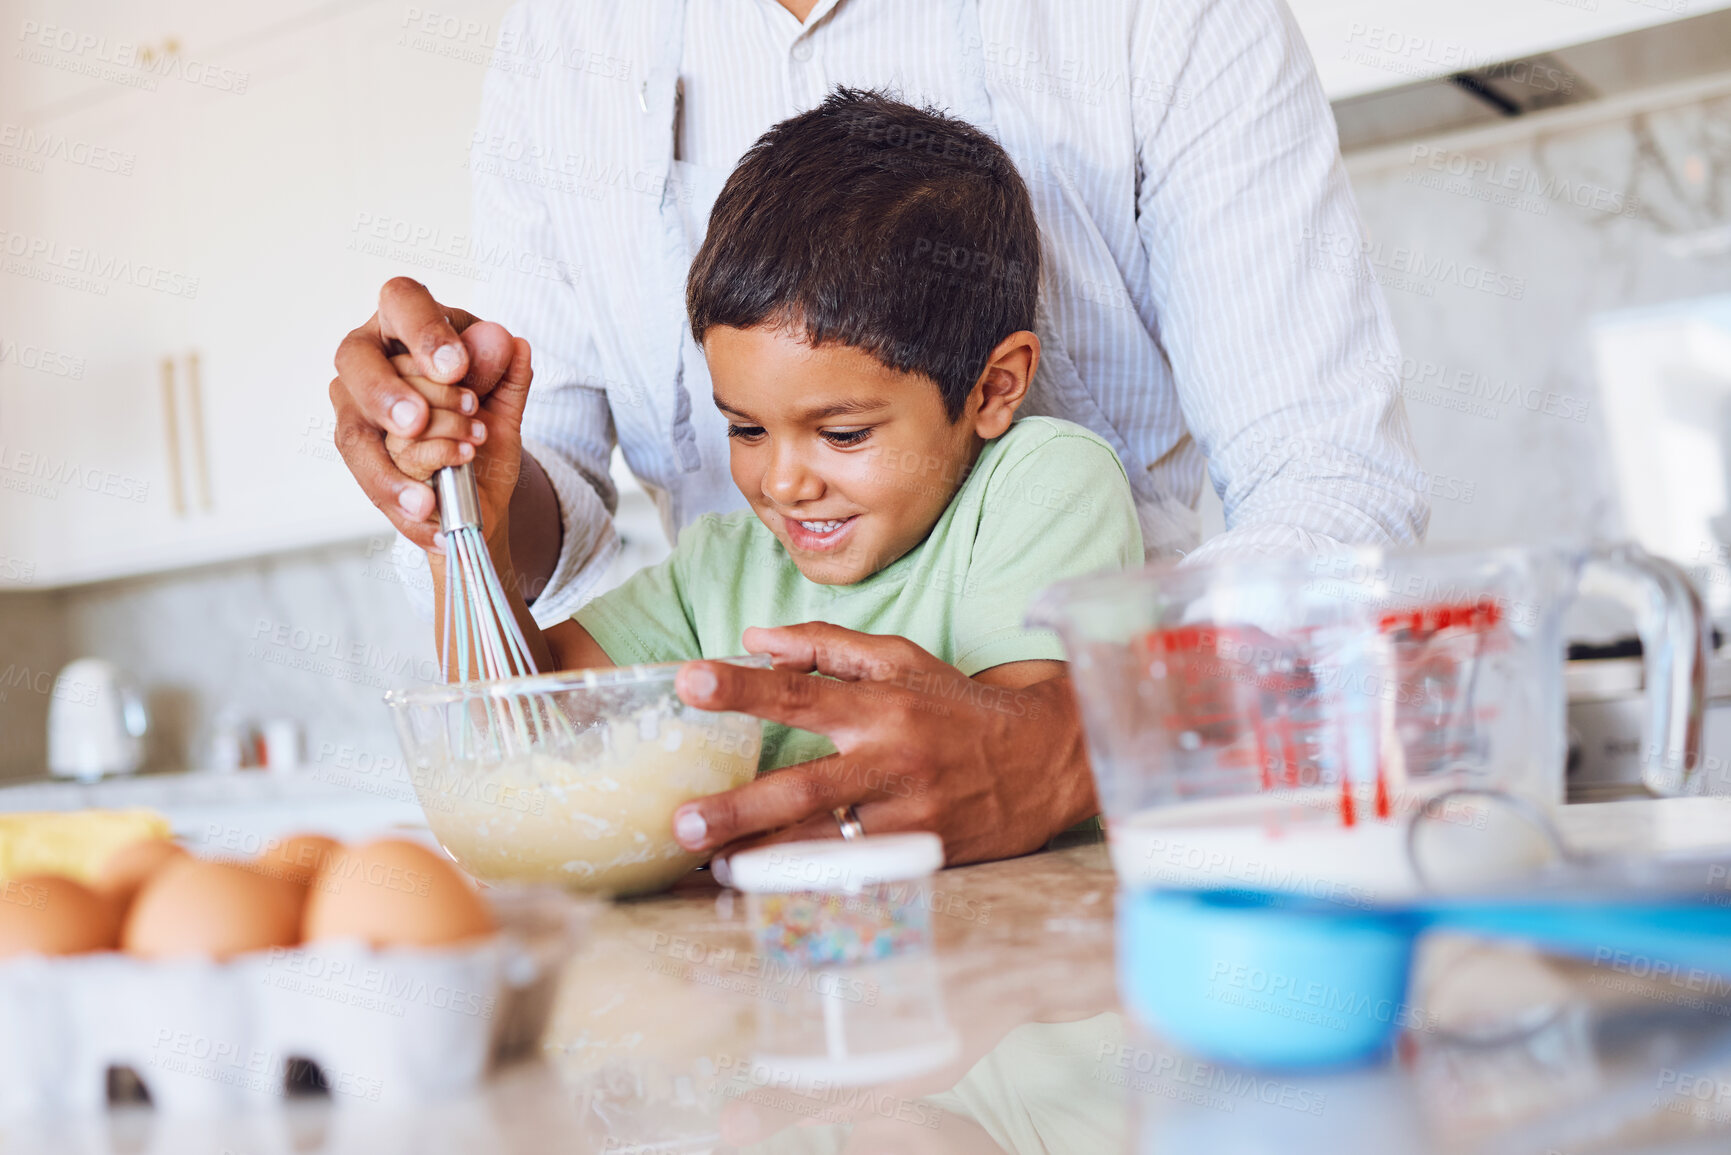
x=852, y=1026
x=836, y=903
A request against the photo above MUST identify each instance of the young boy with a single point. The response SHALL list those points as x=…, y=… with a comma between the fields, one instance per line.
x=864, y=299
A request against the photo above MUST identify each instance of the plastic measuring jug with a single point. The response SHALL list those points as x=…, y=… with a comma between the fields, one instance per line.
x=1272, y=724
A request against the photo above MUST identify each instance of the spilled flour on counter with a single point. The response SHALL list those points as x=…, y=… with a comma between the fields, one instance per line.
x=596, y=816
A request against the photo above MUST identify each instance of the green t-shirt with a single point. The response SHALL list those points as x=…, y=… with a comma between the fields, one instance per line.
x=1048, y=500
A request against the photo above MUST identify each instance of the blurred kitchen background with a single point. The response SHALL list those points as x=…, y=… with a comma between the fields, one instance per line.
x=198, y=199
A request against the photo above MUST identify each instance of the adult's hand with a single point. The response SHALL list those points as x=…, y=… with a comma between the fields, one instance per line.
x=449, y=347
x=995, y=772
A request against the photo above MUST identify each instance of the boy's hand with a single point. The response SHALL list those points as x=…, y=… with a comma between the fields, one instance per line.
x=488, y=439
x=371, y=400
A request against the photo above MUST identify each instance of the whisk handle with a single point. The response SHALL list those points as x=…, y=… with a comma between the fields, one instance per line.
x=459, y=498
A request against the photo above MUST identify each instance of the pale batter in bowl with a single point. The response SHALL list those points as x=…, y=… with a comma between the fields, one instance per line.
x=602, y=824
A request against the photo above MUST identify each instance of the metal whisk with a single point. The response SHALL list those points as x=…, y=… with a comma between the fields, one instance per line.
x=481, y=632
x=479, y=625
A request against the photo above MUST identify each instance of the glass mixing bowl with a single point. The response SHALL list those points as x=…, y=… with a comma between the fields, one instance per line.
x=570, y=778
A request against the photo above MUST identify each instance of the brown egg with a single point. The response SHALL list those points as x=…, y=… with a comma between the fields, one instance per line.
x=200, y=907
x=391, y=893
x=127, y=869
x=299, y=858
x=47, y=914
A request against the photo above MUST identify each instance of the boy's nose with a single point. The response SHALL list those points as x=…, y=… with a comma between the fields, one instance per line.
x=788, y=481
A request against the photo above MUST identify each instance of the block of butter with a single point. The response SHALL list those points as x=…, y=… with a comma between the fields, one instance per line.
x=74, y=843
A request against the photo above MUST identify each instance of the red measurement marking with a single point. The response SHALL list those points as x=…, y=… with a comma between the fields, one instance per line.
x=1478, y=617
x=1183, y=640
x=1348, y=813
x=1262, y=759
x=1201, y=639
x=1381, y=792
x=1406, y=1048
x=1289, y=768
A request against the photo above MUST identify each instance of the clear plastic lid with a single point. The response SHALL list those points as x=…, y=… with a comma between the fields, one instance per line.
x=835, y=864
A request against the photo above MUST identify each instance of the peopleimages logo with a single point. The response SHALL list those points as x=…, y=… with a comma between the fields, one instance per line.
x=457, y=253
x=1308, y=1000
x=40, y=257
x=1403, y=267
x=251, y=1068
x=460, y=37
x=327, y=651
x=38, y=146
x=43, y=476
x=34, y=357
x=120, y=61
x=1521, y=179
x=814, y=1098
x=32, y=895
x=1424, y=380
x=751, y=973
x=339, y=978
x=1394, y=50
x=1120, y=1064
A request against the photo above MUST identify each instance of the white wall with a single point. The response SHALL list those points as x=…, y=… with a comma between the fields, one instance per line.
x=32, y=650
x=1652, y=183
x=317, y=636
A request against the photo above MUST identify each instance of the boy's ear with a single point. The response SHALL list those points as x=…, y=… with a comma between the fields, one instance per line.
x=1003, y=385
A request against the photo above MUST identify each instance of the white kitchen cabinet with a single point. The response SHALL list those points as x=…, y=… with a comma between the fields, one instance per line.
x=80, y=413
x=248, y=161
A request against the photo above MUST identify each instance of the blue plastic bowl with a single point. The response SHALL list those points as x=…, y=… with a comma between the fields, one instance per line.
x=1233, y=977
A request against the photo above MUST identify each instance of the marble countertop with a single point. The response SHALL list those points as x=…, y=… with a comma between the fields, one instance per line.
x=671, y=1035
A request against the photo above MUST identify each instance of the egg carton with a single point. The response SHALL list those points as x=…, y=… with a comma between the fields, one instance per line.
x=395, y=1026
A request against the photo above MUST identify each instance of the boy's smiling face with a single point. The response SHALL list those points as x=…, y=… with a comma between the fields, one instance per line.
x=847, y=461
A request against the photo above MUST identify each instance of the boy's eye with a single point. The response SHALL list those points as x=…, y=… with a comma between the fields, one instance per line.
x=745, y=432
x=845, y=437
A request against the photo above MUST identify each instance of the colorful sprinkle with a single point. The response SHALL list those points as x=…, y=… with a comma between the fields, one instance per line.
x=824, y=928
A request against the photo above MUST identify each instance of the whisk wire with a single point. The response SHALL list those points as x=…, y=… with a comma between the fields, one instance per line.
x=481, y=631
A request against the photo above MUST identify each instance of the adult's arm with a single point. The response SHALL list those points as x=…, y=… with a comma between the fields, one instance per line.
x=562, y=537
x=996, y=770
x=568, y=429
x=1279, y=338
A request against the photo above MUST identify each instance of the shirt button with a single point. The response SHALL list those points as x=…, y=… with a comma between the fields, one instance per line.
x=802, y=51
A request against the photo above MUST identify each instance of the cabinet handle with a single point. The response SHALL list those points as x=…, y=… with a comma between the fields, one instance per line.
x=177, y=493
x=195, y=417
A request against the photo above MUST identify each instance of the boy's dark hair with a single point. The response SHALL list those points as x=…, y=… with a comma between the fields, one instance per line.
x=895, y=230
